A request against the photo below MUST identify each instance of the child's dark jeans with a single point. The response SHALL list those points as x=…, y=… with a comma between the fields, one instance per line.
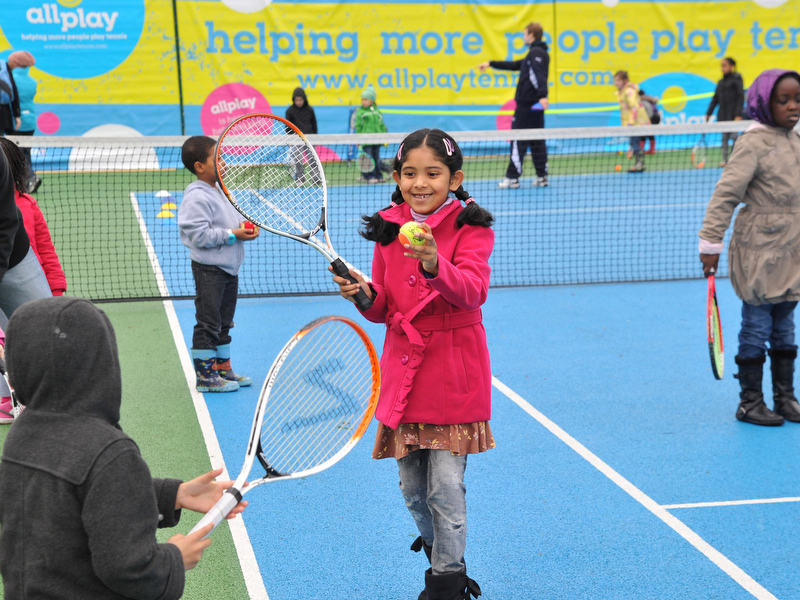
x=766, y=322
x=215, y=304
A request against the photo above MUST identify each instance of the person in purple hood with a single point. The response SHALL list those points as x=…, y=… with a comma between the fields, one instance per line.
x=763, y=173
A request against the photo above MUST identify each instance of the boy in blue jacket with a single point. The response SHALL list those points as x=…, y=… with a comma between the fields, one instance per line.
x=212, y=230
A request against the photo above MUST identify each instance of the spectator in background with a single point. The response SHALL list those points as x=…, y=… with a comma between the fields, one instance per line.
x=301, y=115
x=631, y=113
x=729, y=95
x=369, y=119
x=650, y=104
x=20, y=62
x=531, y=99
x=10, y=120
x=34, y=222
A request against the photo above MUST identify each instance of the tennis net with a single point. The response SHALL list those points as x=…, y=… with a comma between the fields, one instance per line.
x=111, y=205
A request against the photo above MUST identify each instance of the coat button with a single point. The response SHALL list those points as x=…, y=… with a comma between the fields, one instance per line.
x=412, y=280
x=404, y=359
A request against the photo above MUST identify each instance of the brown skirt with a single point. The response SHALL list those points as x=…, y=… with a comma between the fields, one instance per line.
x=467, y=438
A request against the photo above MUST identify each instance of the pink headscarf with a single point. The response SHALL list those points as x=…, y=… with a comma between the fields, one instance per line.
x=21, y=58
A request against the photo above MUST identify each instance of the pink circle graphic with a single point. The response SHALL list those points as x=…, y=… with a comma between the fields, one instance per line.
x=48, y=123
x=229, y=102
x=504, y=121
x=327, y=154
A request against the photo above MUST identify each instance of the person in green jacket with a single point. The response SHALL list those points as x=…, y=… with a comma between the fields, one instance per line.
x=368, y=119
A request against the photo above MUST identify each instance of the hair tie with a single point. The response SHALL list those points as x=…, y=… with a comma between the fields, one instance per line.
x=400, y=152
x=448, y=146
x=469, y=200
x=392, y=204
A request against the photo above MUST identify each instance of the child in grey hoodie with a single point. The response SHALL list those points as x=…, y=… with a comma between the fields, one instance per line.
x=79, y=508
x=213, y=231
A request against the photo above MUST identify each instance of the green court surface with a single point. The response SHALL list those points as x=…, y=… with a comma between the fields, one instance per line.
x=158, y=413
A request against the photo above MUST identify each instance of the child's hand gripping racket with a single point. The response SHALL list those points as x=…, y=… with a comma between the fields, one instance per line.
x=16, y=407
x=253, y=157
x=714, y=326
x=316, y=403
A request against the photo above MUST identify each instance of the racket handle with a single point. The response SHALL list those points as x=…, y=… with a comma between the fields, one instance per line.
x=219, y=511
x=363, y=302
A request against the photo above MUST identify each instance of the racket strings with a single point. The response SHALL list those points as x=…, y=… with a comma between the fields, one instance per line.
x=272, y=175
x=318, y=399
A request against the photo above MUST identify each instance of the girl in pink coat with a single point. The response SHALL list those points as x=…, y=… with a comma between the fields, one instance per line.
x=435, y=401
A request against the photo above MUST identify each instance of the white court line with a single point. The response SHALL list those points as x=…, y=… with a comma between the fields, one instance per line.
x=716, y=557
x=730, y=503
x=247, y=558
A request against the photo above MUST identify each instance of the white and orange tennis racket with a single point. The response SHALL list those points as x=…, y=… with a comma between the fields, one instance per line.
x=316, y=403
x=271, y=173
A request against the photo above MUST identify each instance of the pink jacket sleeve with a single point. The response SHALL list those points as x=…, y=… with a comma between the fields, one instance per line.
x=464, y=282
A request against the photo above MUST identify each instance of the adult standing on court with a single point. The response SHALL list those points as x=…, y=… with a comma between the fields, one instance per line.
x=531, y=99
x=729, y=96
x=764, y=252
x=631, y=112
x=20, y=63
x=10, y=115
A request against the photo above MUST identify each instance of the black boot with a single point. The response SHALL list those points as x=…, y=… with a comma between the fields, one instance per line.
x=782, y=363
x=452, y=586
x=419, y=544
x=751, y=405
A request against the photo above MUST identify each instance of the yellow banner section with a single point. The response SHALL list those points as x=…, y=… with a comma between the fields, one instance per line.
x=647, y=39
x=411, y=53
x=427, y=54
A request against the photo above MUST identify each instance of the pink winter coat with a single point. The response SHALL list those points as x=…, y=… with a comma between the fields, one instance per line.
x=435, y=368
x=41, y=242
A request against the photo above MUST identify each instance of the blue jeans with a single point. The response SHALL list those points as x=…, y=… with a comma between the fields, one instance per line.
x=766, y=322
x=374, y=152
x=22, y=283
x=215, y=304
x=432, y=482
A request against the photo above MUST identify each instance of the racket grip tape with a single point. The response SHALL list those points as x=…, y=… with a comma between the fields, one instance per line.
x=219, y=511
x=362, y=300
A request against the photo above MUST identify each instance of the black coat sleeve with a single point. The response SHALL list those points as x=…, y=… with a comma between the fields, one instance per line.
x=506, y=65
x=8, y=215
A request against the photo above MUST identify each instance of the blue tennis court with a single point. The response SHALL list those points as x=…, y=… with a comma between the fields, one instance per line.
x=620, y=470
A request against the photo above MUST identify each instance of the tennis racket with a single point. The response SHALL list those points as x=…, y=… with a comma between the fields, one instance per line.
x=16, y=407
x=700, y=153
x=254, y=158
x=715, y=348
x=316, y=403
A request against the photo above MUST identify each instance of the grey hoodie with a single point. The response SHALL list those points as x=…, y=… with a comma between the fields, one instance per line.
x=204, y=217
x=79, y=508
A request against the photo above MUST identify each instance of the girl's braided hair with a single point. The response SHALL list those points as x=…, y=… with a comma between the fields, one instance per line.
x=446, y=150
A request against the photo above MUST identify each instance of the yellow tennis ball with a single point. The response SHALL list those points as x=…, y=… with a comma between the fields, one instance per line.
x=408, y=234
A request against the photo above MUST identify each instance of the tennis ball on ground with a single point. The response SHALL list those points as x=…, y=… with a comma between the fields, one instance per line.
x=408, y=234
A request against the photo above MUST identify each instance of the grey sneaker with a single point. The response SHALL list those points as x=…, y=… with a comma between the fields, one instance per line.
x=540, y=182
x=508, y=183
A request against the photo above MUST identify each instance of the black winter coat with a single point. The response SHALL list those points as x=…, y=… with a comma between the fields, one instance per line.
x=729, y=95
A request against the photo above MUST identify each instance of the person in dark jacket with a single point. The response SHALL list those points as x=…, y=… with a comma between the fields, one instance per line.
x=531, y=99
x=79, y=508
x=729, y=95
x=10, y=113
x=301, y=115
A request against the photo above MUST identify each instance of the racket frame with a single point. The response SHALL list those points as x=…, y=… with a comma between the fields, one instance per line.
x=340, y=267
x=241, y=486
x=714, y=329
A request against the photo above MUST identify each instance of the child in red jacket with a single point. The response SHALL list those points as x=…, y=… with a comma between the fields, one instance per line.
x=429, y=295
x=35, y=224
